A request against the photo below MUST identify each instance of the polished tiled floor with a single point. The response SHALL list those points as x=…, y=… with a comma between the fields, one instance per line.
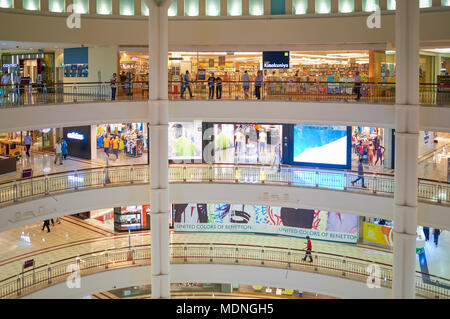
x=77, y=237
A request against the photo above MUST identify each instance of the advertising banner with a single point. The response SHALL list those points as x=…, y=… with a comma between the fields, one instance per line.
x=266, y=220
x=378, y=234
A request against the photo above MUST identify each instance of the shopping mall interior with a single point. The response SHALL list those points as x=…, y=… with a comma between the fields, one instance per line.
x=284, y=124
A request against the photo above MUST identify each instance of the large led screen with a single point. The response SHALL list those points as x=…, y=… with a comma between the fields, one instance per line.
x=266, y=220
x=185, y=141
x=321, y=146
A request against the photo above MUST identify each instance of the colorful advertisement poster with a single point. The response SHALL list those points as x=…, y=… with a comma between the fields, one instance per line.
x=266, y=220
x=378, y=234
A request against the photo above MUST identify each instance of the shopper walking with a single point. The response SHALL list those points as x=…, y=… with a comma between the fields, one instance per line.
x=64, y=148
x=246, y=83
x=106, y=143
x=185, y=84
x=46, y=224
x=371, y=149
x=113, y=83
x=211, y=81
x=308, y=249
x=27, y=140
x=436, y=233
x=258, y=84
x=380, y=151
x=6, y=81
x=115, y=146
x=360, y=173
x=58, y=152
x=358, y=81
x=426, y=232
x=218, y=87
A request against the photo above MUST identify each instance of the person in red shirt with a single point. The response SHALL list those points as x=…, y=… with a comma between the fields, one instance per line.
x=308, y=250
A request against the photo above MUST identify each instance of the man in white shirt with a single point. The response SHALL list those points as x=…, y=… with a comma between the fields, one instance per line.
x=58, y=151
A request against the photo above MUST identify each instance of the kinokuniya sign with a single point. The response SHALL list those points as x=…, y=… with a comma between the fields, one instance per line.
x=276, y=59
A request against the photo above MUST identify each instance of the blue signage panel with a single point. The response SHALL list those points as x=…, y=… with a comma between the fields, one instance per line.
x=276, y=59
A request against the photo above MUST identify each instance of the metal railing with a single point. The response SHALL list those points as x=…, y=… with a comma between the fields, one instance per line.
x=427, y=286
x=341, y=92
x=377, y=184
x=73, y=180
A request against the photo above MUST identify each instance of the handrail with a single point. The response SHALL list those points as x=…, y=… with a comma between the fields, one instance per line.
x=14, y=191
x=216, y=253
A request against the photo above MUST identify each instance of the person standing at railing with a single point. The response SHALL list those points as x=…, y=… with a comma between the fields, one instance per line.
x=258, y=84
x=380, y=152
x=360, y=173
x=185, y=83
x=211, y=81
x=218, y=87
x=358, y=81
x=113, y=82
x=27, y=140
x=308, y=250
x=246, y=83
x=58, y=152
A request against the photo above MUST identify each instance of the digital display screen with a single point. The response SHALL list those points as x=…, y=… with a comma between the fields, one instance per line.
x=185, y=140
x=321, y=146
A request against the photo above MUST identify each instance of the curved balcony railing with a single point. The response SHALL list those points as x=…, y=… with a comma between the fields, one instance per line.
x=340, y=92
x=427, y=286
x=375, y=184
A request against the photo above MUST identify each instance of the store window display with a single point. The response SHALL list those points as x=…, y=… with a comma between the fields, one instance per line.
x=132, y=218
x=185, y=142
x=368, y=144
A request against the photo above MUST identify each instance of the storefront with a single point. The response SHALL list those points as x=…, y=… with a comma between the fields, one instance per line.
x=230, y=218
x=42, y=139
x=133, y=137
x=380, y=233
x=133, y=66
x=33, y=67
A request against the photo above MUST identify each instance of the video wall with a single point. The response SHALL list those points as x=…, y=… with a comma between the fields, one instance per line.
x=274, y=220
x=318, y=146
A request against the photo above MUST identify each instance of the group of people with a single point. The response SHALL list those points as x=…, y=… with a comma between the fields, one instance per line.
x=61, y=150
x=7, y=80
x=112, y=143
x=47, y=223
x=215, y=84
x=436, y=233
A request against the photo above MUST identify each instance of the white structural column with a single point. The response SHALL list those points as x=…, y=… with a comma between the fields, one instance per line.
x=406, y=152
x=159, y=171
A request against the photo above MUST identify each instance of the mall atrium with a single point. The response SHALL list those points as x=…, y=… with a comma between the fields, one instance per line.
x=225, y=149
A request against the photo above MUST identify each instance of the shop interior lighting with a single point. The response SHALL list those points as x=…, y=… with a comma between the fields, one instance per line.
x=55, y=6
x=346, y=6
x=442, y=50
x=6, y=4
x=300, y=6
x=390, y=52
x=425, y=3
x=212, y=10
x=371, y=5
x=172, y=11
x=323, y=6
